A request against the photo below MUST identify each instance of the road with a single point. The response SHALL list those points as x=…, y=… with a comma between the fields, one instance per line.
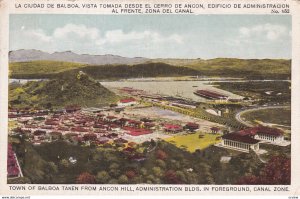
x=239, y=114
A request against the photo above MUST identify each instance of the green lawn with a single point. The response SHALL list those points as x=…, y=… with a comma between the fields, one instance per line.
x=192, y=142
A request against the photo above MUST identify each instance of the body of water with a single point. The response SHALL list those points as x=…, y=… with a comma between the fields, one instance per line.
x=183, y=89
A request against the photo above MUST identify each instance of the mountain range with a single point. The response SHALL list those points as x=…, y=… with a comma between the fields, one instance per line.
x=69, y=56
x=26, y=64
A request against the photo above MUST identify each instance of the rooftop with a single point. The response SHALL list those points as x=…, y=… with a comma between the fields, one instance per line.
x=240, y=138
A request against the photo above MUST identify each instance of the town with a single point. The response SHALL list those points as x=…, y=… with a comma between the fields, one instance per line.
x=124, y=126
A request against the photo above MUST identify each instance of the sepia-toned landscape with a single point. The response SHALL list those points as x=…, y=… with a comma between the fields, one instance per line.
x=81, y=118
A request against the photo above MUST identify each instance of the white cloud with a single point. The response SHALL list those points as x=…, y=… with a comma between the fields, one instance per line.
x=80, y=30
x=37, y=34
x=118, y=36
x=72, y=36
x=267, y=31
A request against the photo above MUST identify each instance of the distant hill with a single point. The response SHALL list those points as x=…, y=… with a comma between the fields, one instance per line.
x=38, y=64
x=74, y=88
x=38, y=69
x=41, y=68
x=137, y=71
x=232, y=67
x=69, y=56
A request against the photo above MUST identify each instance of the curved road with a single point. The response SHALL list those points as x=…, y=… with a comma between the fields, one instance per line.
x=239, y=114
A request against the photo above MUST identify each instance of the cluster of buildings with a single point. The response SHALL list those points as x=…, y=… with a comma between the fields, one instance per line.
x=170, y=100
x=249, y=139
x=211, y=95
x=80, y=126
x=215, y=96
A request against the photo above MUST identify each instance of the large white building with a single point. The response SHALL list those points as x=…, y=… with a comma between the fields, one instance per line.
x=274, y=137
x=239, y=142
x=250, y=138
x=266, y=134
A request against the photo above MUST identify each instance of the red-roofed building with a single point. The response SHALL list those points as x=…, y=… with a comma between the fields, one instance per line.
x=79, y=129
x=90, y=137
x=214, y=130
x=240, y=142
x=133, y=123
x=247, y=139
x=191, y=126
x=100, y=126
x=173, y=128
x=263, y=133
x=127, y=102
x=136, y=131
x=149, y=125
x=62, y=128
x=72, y=108
x=51, y=122
x=110, y=118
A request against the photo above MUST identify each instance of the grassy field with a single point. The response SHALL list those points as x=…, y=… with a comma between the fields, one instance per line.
x=274, y=116
x=192, y=142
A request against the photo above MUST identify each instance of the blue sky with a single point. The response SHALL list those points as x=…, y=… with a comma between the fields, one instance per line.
x=155, y=36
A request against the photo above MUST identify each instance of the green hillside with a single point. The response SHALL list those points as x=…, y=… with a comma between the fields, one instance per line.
x=74, y=88
x=231, y=67
x=139, y=70
x=245, y=68
x=40, y=68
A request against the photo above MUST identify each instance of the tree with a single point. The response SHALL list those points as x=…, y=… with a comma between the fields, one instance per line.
x=157, y=171
x=276, y=171
x=171, y=177
x=102, y=177
x=143, y=171
x=64, y=163
x=113, y=181
x=114, y=170
x=253, y=180
x=151, y=179
x=181, y=176
x=130, y=174
x=192, y=178
x=161, y=163
x=86, y=178
x=160, y=154
x=123, y=179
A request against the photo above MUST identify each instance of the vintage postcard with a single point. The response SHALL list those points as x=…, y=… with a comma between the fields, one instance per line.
x=150, y=97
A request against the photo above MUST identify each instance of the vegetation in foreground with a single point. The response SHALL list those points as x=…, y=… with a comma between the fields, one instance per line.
x=164, y=164
x=75, y=88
